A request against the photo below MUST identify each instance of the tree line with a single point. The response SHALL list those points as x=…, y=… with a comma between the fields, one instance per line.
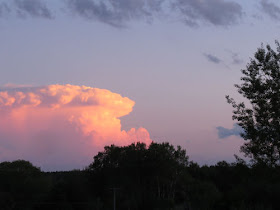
x=155, y=177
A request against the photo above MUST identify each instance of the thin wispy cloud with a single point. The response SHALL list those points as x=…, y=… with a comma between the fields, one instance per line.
x=212, y=58
x=235, y=57
x=225, y=132
x=271, y=9
x=32, y=8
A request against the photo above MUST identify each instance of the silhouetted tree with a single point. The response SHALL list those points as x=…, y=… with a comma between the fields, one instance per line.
x=260, y=117
x=148, y=177
x=22, y=185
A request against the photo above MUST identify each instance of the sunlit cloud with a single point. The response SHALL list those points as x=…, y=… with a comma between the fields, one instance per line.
x=62, y=126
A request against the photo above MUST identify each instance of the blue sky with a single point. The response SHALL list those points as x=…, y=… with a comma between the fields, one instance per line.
x=177, y=59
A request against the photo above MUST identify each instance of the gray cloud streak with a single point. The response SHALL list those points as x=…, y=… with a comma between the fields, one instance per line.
x=33, y=8
x=216, y=12
x=224, y=132
x=114, y=12
x=119, y=12
x=271, y=9
x=212, y=58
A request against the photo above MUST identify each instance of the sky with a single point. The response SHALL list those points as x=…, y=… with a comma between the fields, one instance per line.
x=77, y=75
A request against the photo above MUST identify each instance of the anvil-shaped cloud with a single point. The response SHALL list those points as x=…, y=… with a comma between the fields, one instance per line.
x=61, y=127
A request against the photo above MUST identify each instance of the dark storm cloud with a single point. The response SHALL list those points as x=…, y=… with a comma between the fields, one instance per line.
x=33, y=8
x=216, y=12
x=114, y=12
x=271, y=9
x=224, y=132
x=212, y=58
x=119, y=12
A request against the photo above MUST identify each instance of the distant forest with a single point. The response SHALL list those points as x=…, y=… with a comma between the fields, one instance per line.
x=140, y=177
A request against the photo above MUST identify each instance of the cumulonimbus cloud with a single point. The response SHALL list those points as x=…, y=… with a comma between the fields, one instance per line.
x=62, y=126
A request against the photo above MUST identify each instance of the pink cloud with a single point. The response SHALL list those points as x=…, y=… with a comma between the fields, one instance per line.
x=62, y=127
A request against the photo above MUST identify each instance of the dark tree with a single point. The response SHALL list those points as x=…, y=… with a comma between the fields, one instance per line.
x=259, y=116
x=147, y=177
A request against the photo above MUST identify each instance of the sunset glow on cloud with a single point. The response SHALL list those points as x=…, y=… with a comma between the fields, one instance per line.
x=62, y=125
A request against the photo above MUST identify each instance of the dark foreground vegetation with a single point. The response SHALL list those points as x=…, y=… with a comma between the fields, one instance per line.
x=155, y=177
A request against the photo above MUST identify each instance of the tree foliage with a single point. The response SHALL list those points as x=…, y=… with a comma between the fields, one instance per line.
x=146, y=176
x=260, y=119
